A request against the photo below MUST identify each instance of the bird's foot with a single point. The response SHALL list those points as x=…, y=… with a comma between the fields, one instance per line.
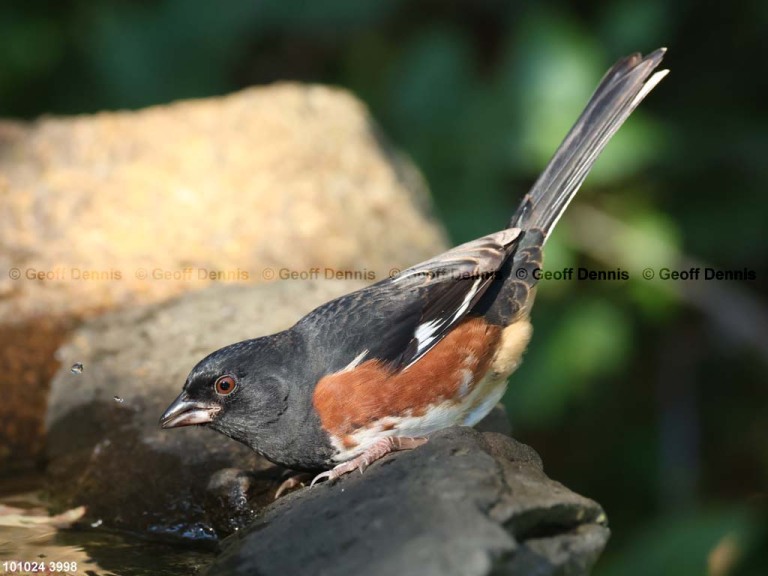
x=378, y=450
x=297, y=480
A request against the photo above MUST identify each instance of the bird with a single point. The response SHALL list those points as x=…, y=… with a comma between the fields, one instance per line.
x=381, y=369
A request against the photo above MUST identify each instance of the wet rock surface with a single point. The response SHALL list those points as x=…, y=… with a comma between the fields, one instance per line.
x=116, y=209
x=466, y=503
x=112, y=457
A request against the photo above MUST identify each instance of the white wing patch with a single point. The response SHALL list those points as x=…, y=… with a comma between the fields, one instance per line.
x=427, y=332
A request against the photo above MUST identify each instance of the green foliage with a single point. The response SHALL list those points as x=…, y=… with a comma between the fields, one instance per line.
x=682, y=545
x=590, y=340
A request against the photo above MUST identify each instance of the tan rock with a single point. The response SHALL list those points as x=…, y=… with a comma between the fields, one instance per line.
x=115, y=209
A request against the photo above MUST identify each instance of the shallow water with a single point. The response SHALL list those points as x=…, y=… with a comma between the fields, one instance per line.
x=56, y=544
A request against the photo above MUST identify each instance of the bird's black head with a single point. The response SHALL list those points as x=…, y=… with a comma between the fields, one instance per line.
x=240, y=390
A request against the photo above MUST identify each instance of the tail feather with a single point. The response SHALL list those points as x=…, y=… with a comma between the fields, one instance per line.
x=620, y=91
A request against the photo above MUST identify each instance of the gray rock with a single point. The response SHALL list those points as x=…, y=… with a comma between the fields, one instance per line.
x=466, y=503
x=111, y=455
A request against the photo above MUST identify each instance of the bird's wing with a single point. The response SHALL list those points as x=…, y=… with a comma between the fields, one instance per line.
x=400, y=319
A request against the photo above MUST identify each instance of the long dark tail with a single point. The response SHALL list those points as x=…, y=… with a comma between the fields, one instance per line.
x=620, y=91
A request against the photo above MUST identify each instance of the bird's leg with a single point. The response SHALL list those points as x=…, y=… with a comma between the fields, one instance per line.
x=378, y=450
x=295, y=480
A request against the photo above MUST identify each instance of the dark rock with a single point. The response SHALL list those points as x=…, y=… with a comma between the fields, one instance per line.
x=465, y=503
x=496, y=421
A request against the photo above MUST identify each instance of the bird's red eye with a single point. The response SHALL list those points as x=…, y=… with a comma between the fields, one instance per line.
x=225, y=385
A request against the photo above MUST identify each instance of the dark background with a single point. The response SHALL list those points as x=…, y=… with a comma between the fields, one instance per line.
x=648, y=396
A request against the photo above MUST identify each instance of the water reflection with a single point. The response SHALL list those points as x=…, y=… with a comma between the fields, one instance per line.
x=29, y=534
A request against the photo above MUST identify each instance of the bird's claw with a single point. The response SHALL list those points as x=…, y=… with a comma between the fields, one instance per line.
x=375, y=452
x=327, y=475
x=336, y=472
x=297, y=480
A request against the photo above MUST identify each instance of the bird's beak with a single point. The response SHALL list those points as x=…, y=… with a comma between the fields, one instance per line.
x=186, y=412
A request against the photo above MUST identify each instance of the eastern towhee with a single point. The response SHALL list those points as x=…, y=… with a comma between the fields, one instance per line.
x=382, y=368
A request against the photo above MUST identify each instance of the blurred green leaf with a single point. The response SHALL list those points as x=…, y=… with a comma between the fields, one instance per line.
x=173, y=49
x=330, y=18
x=556, y=68
x=591, y=339
x=631, y=150
x=650, y=241
x=629, y=25
x=679, y=545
